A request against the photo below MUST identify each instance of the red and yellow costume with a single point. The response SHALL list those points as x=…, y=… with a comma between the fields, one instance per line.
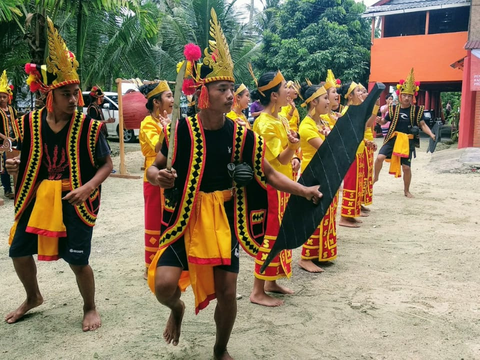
x=46, y=219
x=368, y=169
x=150, y=130
x=353, y=183
x=199, y=216
x=322, y=245
x=274, y=132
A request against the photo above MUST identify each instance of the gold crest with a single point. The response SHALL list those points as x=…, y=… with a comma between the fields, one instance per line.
x=60, y=61
x=218, y=59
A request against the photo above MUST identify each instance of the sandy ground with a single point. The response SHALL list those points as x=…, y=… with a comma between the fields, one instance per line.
x=404, y=286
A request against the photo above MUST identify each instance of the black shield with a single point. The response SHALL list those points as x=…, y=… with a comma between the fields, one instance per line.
x=436, y=130
x=327, y=169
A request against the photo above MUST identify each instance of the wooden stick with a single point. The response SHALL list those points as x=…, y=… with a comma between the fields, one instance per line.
x=123, y=170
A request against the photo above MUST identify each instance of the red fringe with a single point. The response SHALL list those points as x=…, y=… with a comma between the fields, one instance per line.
x=235, y=102
x=49, y=103
x=204, y=100
x=80, y=99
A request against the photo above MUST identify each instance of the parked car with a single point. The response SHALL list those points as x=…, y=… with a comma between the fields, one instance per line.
x=110, y=110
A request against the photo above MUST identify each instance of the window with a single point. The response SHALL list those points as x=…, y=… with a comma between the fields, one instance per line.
x=404, y=24
x=449, y=20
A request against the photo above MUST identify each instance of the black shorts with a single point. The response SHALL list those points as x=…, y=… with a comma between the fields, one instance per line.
x=176, y=255
x=74, y=249
x=387, y=150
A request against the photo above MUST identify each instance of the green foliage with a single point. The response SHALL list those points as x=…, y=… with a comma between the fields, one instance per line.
x=455, y=99
x=315, y=35
x=188, y=21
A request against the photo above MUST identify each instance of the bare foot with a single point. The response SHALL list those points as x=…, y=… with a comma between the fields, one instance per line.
x=349, y=222
x=309, y=266
x=273, y=286
x=408, y=194
x=145, y=274
x=365, y=209
x=174, y=325
x=364, y=214
x=221, y=355
x=265, y=300
x=375, y=179
x=91, y=320
x=26, y=306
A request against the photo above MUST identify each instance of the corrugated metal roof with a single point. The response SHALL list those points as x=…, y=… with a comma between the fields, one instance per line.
x=472, y=44
x=410, y=5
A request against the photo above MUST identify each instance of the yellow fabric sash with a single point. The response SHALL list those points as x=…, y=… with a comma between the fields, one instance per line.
x=46, y=219
x=401, y=149
x=207, y=244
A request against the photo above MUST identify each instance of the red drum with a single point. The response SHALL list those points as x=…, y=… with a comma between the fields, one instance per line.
x=134, y=110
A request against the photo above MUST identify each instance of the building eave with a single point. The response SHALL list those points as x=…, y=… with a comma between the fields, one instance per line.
x=411, y=10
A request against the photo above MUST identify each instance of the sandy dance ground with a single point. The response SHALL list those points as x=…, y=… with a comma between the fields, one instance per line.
x=406, y=285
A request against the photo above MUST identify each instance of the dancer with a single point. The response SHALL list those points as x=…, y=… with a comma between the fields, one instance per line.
x=8, y=116
x=399, y=145
x=353, y=181
x=64, y=160
x=159, y=104
x=241, y=98
x=322, y=245
x=281, y=144
x=204, y=146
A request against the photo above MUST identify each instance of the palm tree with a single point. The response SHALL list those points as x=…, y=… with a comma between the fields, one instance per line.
x=188, y=21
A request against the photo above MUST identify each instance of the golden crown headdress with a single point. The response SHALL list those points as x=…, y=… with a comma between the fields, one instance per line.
x=60, y=68
x=218, y=59
x=409, y=86
x=4, y=87
x=331, y=81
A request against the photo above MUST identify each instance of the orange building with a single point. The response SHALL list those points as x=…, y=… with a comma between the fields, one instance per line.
x=428, y=35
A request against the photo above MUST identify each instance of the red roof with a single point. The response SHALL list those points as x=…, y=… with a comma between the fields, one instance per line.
x=472, y=44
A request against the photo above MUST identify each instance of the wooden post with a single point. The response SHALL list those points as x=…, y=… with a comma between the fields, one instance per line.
x=427, y=22
x=373, y=29
x=123, y=169
x=382, y=34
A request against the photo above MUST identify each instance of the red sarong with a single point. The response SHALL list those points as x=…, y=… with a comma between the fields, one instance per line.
x=368, y=178
x=353, y=188
x=153, y=217
x=322, y=245
x=281, y=265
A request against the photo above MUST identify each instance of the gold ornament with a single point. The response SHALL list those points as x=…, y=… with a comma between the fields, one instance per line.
x=409, y=86
x=60, y=61
x=4, y=88
x=218, y=59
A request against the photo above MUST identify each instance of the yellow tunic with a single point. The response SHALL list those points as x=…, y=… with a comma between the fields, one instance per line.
x=149, y=136
x=308, y=130
x=330, y=119
x=274, y=133
x=293, y=120
x=234, y=116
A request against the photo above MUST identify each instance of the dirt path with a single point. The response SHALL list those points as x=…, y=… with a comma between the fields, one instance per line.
x=405, y=286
